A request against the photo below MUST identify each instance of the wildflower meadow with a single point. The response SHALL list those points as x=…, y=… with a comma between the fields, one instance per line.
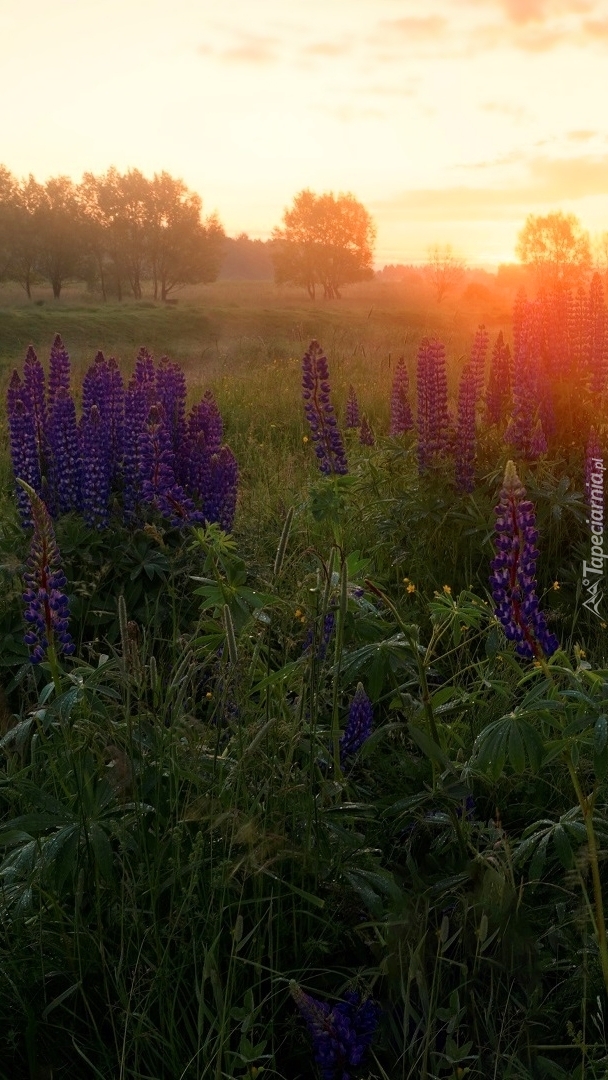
x=304, y=702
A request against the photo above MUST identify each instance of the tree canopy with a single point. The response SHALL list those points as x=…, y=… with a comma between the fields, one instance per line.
x=444, y=270
x=556, y=247
x=115, y=229
x=326, y=240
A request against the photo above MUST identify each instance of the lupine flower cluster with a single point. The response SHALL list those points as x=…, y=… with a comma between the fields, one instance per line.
x=401, y=413
x=465, y=430
x=512, y=580
x=320, y=413
x=498, y=394
x=132, y=450
x=478, y=359
x=47, y=609
x=341, y=1033
x=358, y=726
x=352, y=418
x=433, y=419
x=366, y=435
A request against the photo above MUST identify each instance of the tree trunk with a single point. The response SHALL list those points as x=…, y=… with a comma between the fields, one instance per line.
x=56, y=283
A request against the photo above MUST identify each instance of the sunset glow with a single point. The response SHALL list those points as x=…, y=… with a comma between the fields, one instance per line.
x=449, y=122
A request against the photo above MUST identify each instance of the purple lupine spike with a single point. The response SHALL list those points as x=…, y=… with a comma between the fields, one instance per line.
x=96, y=469
x=136, y=413
x=320, y=413
x=578, y=334
x=525, y=396
x=103, y=387
x=24, y=457
x=171, y=393
x=329, y=623
x=358, y=726
x=341, y=1033
x=401, y=413
x=59, y=372
x=498, y=394
x=366, y=435
x=479, y=352
x=538, y=442
x=433, y=418
x=465, y=430
x=159, y=488
x=34, y=386
x=66, y=454
x=594, y=453
x=352, y=418
x=219, y=500
x=47, y=608
x=598, y=336
x=203, y=438
x=144, y=375
x=512, y=580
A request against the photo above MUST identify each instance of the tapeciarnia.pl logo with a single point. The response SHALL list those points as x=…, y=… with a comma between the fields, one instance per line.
x=593, y=571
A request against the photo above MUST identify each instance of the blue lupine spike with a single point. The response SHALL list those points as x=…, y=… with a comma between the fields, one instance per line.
x=359, y=725
x=401, y=413
x=512, y=580
x=465, y=431
x=341, y=1033
x=320, y=413
x=352, y=418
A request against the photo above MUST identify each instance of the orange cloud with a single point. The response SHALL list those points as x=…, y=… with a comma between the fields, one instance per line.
x=548, y=181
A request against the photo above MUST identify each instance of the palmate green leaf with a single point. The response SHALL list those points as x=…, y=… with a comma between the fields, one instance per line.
x=510, y=739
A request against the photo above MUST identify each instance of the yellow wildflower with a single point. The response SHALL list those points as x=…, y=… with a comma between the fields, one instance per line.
x=411, y=587
x=555, y=586
x=305, y=439
x=447, y=590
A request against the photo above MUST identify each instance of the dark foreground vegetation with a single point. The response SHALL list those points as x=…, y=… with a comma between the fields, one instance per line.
x=325, y=795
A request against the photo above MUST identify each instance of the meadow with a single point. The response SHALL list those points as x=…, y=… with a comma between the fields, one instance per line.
x=296, y=800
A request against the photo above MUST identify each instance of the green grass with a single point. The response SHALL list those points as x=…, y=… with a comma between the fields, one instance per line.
x=176, y=842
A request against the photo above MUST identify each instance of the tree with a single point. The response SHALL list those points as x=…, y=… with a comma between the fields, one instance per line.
x=58, y=222
x=444, y=270
x=556, y=247
x=25, y=235
x=183, y=249
x=326, y=240
x=8, y=208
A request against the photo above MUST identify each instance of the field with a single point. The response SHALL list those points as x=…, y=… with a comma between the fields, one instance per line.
x=294, y=805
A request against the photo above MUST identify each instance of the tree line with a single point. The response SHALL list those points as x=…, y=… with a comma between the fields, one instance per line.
x=114, y=230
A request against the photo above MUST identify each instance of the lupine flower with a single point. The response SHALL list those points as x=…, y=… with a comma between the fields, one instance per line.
x=525, y=383
x=465, y=431
x=478, y=358
x=59, y=371
x=219, y=501
x=352, y=418
x=34, y=389
x=47, y=608
x=144, y=375
x=22, y=432
x=513, y=568
x=366, y=435
x=320, y=412
x=96, y=469
x=433, y=418
x=401, y=413
x=329, y=623
x=538, y=442
x=171, y=393
x=103, y=386
x=159, y=488
x=341, y=1033
x=498, y=393
x=598, y=336
x=358, y=726
x=66, y=454
x=204, y=434
x=136, y=413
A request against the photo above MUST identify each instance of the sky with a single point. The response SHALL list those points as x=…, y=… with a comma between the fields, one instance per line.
x=450, y=120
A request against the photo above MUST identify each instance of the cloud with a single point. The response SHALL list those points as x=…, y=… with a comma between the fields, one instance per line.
x=581, y=136
x=247, y=48
x=326, y=49
x=548, y=181
x=430, y=27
